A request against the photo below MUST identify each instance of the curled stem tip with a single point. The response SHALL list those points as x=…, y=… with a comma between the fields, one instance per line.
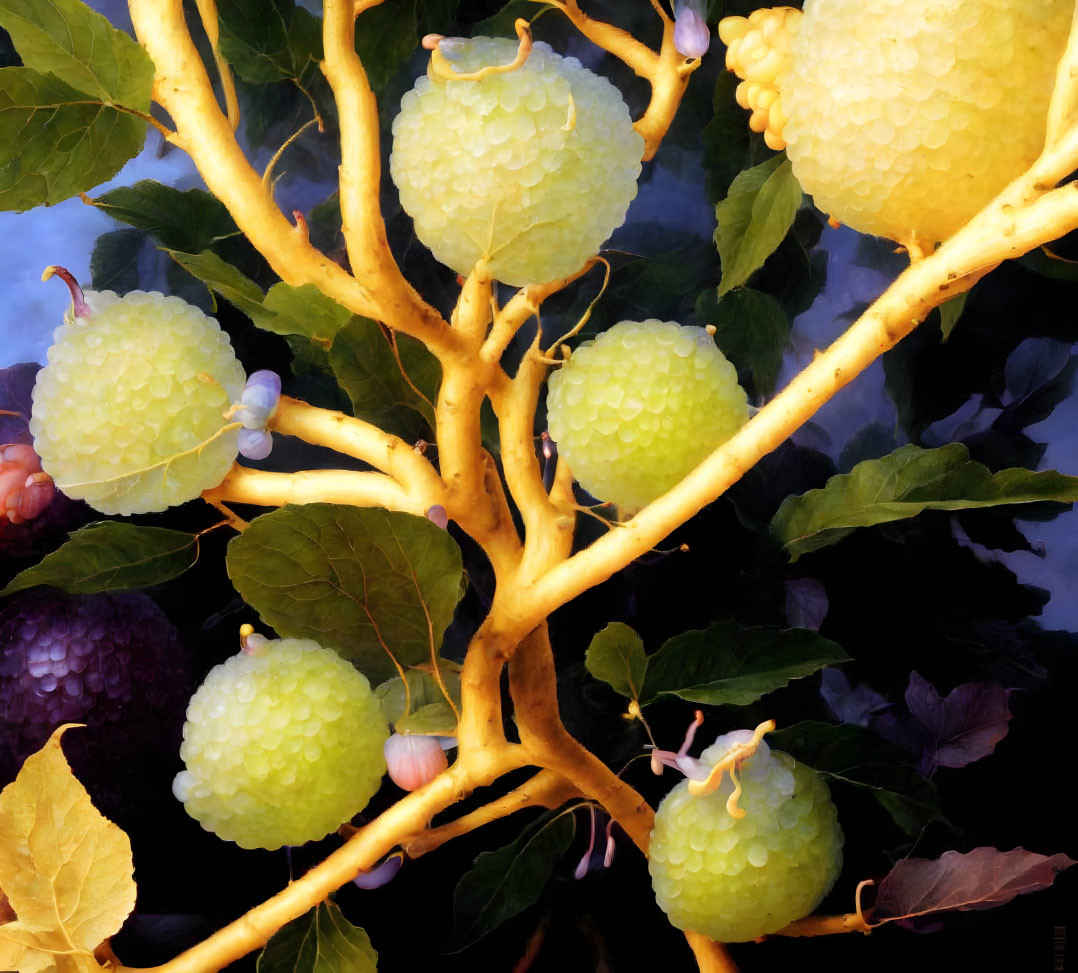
x=78, y=301
x=250, y=640
x=431, y=41
x=731, y=761
x=442, y=69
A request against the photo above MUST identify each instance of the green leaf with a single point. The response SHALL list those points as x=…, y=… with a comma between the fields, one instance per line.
x=79, y=46
x=361, y=581
x=727, y=145
x=304, y=310
x=616, y=656
x=285, y=309
x=950, y=312
x=501, y=23
x=853, y=755
x=436, y=16
x=734, y=665
x=503, y=883
x=385, y=36
x=754, y=217
x=382, y=390
x=55, y=142
x=425, y=698
x=901, y=485
x=188, y=222
x=322, y=941
x=114, y=261
x=111, y=556
x=268, y=40
x=752, y=330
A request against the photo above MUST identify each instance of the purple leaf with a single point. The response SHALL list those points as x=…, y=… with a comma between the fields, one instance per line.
x=806, y=603
x=849, y=705
x=962, y=728
x=16, y=384
x=980, y=879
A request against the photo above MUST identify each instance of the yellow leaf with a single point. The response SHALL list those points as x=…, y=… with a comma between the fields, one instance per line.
x=66, y=870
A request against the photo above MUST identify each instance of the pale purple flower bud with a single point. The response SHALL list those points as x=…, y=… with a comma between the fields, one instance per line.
x=414, y=760
x=691, y=34
x=260, y=397
x=381, y=874
x=255, y=443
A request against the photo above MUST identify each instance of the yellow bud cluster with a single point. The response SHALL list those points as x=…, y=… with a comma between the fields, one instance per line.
x=758, y=52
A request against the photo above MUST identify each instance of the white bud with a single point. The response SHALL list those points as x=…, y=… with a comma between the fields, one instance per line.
x=414, y=760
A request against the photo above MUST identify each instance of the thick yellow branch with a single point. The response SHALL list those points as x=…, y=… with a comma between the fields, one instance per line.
x=183, y=88
x=243, y=485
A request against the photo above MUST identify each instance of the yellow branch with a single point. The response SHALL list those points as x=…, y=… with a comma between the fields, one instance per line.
x=243, y=485
x=183, y=88
x=364, y=230
x=207, y=12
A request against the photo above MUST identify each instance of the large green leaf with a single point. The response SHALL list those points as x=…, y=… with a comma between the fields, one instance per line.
x=382, y=390
x=754, y=217
x=853, y=755
x=79, y=46
x=114, y=260
x=385, y=36
x=322, y=941
x=616, y=656
x=364, y=582
x=752, y=330
x=268, y=40
x=111, y=556
x=285, y=309
x=55, y=141
x=903, y=484
x=188, y=222
x=503, y=883
x=734, y=665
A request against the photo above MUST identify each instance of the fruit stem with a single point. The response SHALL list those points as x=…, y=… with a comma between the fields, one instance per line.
x=441, y=68
x=78, y=301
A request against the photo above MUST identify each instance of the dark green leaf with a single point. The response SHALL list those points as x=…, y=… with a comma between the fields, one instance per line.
x=901, y=485
x=361, y=581
x=56, y=142
x=228, y=281
x=111, y=556
x=188, y=222
x=268, y=40
x=854, y=755
x=616, y=656
x=753, y=219
x=752, y=330
x=382, y=390
x=503, y=883
x=727, y=144
x=322, y=941
x=385, y=36
x=501, y=24
x=436, y=16
x=424, y=693
x=734, y=665
x=79, y=46
x=114, y=261
x=950, y=312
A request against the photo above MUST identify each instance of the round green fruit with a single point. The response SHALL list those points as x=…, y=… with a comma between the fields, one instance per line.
x=127, y=414
x=282, y=745
x=736, y=879
x=640, y=406
x=530, y=169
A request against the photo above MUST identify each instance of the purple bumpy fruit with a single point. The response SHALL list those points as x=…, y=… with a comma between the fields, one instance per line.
x=112, y=662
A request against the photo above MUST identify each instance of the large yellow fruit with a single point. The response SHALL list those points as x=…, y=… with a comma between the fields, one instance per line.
x=902, y=118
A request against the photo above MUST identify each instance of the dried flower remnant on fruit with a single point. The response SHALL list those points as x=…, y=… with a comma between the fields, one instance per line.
x=127, y=414
x=734, y=879
x=891, y=112
x=530, y=169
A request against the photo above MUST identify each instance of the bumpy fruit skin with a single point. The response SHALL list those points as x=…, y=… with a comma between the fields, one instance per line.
x=282, y=746
x=127, y=414
x=637, y=408
x=903, y=118
x=532, y=168
x=113, y=662
x=735, y=880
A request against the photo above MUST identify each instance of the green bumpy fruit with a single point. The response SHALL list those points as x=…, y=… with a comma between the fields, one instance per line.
x=903, y=118
x=282, y=746
x=127, y=414
x=736, y=879
x=640, y=406
x=532, y=169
